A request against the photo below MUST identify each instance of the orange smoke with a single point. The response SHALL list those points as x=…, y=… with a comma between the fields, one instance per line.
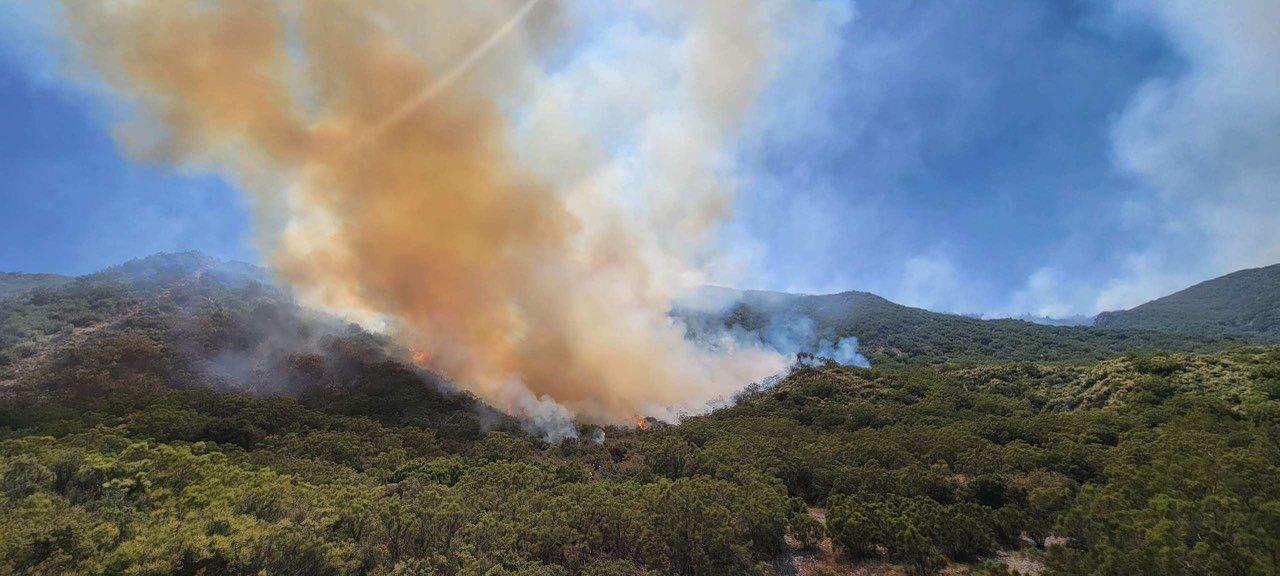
x=504, y=255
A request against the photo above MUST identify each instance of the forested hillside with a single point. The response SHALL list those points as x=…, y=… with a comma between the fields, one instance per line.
x=1141, y=465
x=1243, y=305
x=179, y=416
x=186, y=321
x=13, y=283
x=890, y=334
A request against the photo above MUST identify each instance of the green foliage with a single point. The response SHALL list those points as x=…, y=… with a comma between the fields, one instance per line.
x=104, y=503
x=500, y=446
x=1155, y=364
x=922, y=467
x=13, y=283
x=804, y=528
x=30, y=320
x=132, y=448
x=1196, y=495
x=914, y=530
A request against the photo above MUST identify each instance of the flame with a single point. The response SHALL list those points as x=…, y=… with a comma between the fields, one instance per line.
x=420, y=356
x=641, y=423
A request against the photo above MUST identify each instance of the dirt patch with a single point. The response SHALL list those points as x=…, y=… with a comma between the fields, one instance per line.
x=823, y=561
x=1022, y=562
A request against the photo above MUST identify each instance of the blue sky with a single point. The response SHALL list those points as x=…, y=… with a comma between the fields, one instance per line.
x=967, y=137
x=71, y=202
x=1002, y=157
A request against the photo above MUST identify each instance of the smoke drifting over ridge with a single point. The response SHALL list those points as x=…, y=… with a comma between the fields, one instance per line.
x=516, y=199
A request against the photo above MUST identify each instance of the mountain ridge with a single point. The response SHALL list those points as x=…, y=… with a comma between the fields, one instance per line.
x=1244, y=304
x=891, y=334
x=888, y=333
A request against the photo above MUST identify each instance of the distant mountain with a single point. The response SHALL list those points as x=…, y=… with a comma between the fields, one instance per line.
x=199, y=298
x=1077, y=320
x=892, y=334
x=1243, y=305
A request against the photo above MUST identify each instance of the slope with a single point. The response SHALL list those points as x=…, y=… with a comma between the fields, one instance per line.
x=891, y=334
x=1243, y=305
x=130, y=336
x=14, y=283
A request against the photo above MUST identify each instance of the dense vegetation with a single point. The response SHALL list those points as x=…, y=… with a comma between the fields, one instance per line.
x=1243, y=305
x=14, y=283
x=891, y=335
x=115, y=466
x=211, y=427
x=42, y=310
x=1136, y=459
x=33, y=318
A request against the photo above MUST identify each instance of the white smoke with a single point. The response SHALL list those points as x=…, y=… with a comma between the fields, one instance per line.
x=1205, y=145
x=514, y=189
x=785, y=330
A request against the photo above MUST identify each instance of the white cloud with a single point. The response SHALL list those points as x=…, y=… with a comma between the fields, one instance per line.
x=1048, y=292
x=1148, y=277
x=931, y=281
x=1205, y=146
x=26, y=30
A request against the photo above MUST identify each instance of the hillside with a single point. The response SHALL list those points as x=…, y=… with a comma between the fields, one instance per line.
x=891, y=334
x=1243, y=305
x=14, y=283
x=112, y=464
x=888, y=334
x=190, y=322
x=62, y=310
x=176, y=415
x=1122, y=458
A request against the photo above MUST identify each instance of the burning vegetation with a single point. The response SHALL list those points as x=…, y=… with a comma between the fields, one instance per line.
x=357, y=464
x=428, y=169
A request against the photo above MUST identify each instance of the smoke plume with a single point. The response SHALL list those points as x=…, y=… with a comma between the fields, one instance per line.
x=516, y=189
